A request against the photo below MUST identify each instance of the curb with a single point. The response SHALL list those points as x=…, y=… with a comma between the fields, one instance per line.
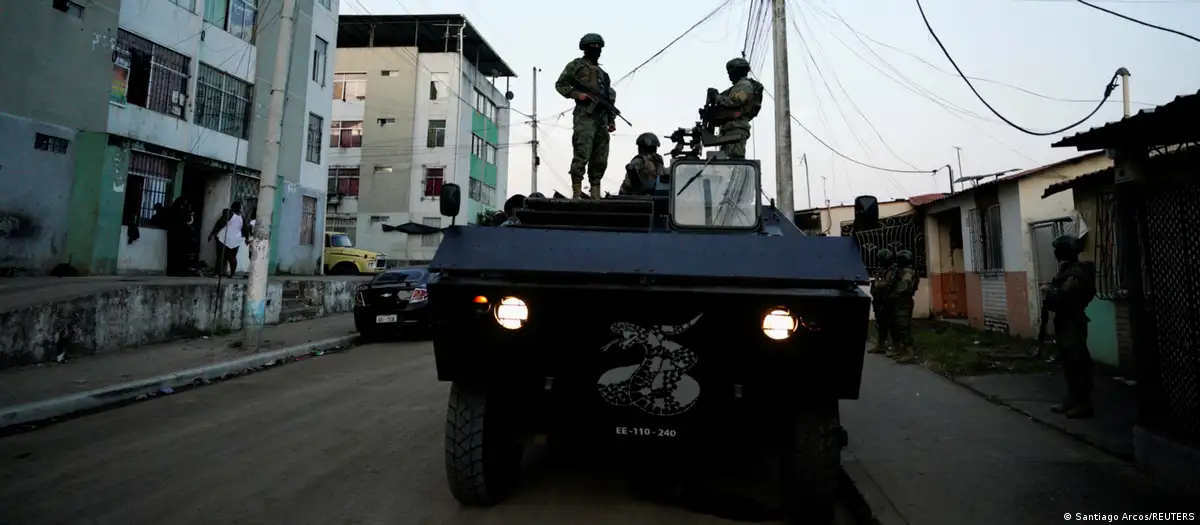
x=120, y=393
x=871, y=504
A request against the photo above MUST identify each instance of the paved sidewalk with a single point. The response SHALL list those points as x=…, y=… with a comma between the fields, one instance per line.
x=97, y=375
x=924, y=450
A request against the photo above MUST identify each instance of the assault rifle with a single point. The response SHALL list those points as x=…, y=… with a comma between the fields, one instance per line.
x=599, y=99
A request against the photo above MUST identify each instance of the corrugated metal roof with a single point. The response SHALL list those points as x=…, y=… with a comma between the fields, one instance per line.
x=1018, y=176
x=1168, y=119
x=1090, y=178
x=921, y=200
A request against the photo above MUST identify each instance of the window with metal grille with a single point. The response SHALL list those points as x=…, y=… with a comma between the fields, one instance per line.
x=433, y=181
x=987, y=240
x=50, y=143
x=223, y=102
x=320, y=59
x=349, y=86
x=488, y=194
x=437, y=134
x=475, y=190
x=316, y=130
x=308, y=220
x=345, y=134
x=431, y=239
x=147, y=187
x=343, y=181
x=148, y=75
x=1109, y=284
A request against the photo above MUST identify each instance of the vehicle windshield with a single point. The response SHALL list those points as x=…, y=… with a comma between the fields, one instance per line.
x=340, y=240
x=723, y=196
x=400, y=276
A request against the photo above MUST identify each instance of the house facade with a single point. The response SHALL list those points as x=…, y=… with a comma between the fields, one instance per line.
x=182, y=114
x=989, y=245
x=415, y=106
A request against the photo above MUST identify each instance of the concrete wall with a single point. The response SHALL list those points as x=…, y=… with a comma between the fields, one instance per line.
x=148, y=254
x=99, y=323
x=34, y=204
x=296, y=258
x=58, y=65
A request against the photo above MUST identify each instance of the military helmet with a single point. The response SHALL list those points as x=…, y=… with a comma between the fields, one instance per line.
x=884, y=255
x=737, y=63
x=1067, y=242
x=904, y=257
x=648, y=140
x=591, y=39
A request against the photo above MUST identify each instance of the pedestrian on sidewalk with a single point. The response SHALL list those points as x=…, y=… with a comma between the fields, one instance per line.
x=1068, y=297
x=229, y=237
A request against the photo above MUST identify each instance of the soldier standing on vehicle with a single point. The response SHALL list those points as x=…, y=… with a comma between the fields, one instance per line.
x=592, y=123
x=903, y=288
x=644, y=170
x=880, y=288
x=740, y=104
x=1068, y=296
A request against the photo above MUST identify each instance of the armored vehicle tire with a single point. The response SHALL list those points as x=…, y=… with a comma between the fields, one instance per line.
x=483, y=450
x=809, y=466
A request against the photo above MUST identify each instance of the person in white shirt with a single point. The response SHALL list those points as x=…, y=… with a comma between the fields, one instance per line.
x=229, y=236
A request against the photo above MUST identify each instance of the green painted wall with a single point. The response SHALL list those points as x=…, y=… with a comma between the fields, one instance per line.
x=1102, y=331
x=489, y=175
x=94, y=235
x=478, y=169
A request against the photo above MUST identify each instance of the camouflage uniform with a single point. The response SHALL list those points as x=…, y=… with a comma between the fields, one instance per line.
x=880, y=288
x=591, y=125
x=644, y=170
x=1068, y=296
x=744, y=99
x=904, y=287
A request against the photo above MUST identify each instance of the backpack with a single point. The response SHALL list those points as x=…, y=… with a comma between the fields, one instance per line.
x=756, y=104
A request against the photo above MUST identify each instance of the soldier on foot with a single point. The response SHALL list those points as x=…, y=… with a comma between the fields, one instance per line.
x=736, y=107
x=903, y=289
x=880, y=288
x=1068, y=296
x=592, y=123
x=643, y=171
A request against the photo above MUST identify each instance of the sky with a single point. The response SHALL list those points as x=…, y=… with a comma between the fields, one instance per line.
x=865, y=76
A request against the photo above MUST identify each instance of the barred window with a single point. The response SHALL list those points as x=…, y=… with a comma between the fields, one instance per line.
x=475, y=190
x=308, y=221
x=148, y=75
x=223, y=102
x=316, y=130
x=343, y=181
x=345, y=134
x=148, y=187
x=1109, y=282
x=987, y=239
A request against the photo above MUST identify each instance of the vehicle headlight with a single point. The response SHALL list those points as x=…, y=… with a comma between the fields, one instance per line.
x=512, y=313
x=779, y=324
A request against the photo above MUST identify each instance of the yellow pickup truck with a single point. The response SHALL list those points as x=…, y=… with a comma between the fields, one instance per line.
x=342, y=258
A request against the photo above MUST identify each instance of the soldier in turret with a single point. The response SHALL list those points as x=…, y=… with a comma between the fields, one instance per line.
x=592, y=122
x=880, y=288
x=738, y=105
x=1068, y=296
x=644, y=170
x=903, y=289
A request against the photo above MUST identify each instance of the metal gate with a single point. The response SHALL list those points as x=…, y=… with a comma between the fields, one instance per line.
x=898, y=232
x=1042, y=237
x=1170, y=228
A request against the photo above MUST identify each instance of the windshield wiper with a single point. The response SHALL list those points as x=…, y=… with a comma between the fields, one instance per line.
x=696, y=176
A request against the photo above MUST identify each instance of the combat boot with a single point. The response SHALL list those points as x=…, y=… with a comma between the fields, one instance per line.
x=879, y=348
x=576, y=189
x=906, y=354
x=596, y=190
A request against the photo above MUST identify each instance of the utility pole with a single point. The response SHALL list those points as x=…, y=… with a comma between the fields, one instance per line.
x=958, y=151
x=828, y=213
x=254, y=312
x=807, y=181
x=783, y=114
x=534, y=143
x=1124, y=73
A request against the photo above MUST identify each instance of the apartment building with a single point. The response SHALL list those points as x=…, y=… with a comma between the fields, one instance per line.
x=415, y=105
x=147, y=101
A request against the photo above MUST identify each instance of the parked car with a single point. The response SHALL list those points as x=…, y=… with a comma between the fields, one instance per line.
x=394, y=301
x=342, y=258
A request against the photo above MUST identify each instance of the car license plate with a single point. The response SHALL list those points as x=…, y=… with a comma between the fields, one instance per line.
x=385, y=318
x=642, y=431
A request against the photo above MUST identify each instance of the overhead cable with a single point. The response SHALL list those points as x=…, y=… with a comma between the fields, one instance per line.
x=1136, y=21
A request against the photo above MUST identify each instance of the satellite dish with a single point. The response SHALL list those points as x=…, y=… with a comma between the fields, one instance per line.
x=508, y=95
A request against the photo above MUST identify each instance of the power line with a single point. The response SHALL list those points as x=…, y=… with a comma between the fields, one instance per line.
x=1136, y=21
x=1112, y=84
x=838, y=153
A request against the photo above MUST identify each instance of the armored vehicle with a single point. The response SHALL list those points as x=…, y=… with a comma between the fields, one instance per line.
x=696, y=318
